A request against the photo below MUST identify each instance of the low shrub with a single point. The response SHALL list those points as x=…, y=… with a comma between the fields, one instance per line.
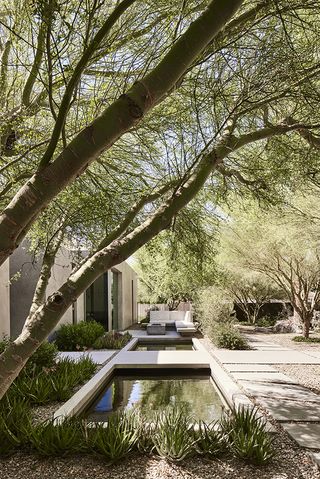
x=226, y=336
x=78, y=337
x=173, y=438
x=302, y=339
x=247, y=436
x=115, y=439
x=44, y=357
x=50, y=439
x=266, y=321
x=112, y=340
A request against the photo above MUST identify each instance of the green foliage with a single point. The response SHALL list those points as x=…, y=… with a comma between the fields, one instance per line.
x=55, y=384
x=213, y=307
x=78, y=337
x=177, y=263
x=173, y=438
x=3, y=344
x=14, y=424
x=115, y=439
x=247, y=435
x=9, y=441
x=112, y=340
x=266, y=321
x=211, y=441
x=226, y=336
x=302, y=339
x=50, y=439
x=145, y=432
x=44, y=357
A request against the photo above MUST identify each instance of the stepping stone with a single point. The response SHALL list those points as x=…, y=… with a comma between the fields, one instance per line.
x=270, y=377
x=265, y=357
x=306, y=435
x=250, y=368
x=313, y=352
x=280, y=391
x=284, y=411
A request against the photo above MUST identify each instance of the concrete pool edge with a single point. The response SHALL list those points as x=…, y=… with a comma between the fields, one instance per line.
x=127, y=358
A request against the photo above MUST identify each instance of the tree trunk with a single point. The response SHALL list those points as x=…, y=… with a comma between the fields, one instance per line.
x=306, y=324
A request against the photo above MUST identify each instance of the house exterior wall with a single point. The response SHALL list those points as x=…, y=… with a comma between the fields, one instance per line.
x=60, y=273
x=24, y=272
x=128, y=309
x=4, y=300
x=15, y=300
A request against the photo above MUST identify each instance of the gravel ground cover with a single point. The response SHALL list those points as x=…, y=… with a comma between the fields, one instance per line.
x=285, y=339
x=291, y=462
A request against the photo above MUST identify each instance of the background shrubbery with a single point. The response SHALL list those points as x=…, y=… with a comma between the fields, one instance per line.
x=227, y=336
x=112, y=340
x=78, y=337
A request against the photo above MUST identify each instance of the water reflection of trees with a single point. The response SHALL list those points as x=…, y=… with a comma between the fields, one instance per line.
x=197, y=397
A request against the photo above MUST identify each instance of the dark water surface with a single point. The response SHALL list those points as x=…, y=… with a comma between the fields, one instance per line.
x=149, y=394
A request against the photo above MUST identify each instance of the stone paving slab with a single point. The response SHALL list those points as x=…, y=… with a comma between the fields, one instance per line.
x=285, y=410
x=312, y=352
x=270, y=377
x=269, y=348
x=280, y=391
x=250, y=368
x=265, y=357
x=99, y=357
x=306, y=435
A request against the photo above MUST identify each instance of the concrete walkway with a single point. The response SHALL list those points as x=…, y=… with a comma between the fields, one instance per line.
x=296, y=407
x=98, y=357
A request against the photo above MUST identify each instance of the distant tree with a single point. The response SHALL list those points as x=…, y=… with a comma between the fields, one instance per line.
x=283, y=249
x=175, y=265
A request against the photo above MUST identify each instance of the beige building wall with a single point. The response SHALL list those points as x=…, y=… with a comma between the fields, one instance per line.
x=60, y=273
x=16, y=298
x=4, y=300
x=128, y=307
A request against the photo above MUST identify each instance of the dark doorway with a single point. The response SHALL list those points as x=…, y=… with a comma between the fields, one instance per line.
x=97, y=301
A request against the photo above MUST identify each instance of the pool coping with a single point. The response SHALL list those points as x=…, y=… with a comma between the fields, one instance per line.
x=231, y=394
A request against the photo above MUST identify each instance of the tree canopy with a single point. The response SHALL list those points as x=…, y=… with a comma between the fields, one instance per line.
x=143, y=106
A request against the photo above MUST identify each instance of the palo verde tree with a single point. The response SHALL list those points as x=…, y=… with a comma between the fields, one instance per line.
x=178, y=96
x=282, y=249
x=176, y=264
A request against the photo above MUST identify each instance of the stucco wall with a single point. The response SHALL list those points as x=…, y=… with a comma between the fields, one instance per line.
x=128, y=295
x=60, y=273
x=4, y=300
x=24, y=273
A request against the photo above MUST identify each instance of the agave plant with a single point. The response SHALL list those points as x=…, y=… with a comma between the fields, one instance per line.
x=211, y=440
x=173, y=438
x=116, y=438
x=50, y=439
x=247, y=435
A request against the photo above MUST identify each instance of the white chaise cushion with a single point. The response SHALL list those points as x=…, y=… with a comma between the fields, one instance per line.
x=184, y=324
